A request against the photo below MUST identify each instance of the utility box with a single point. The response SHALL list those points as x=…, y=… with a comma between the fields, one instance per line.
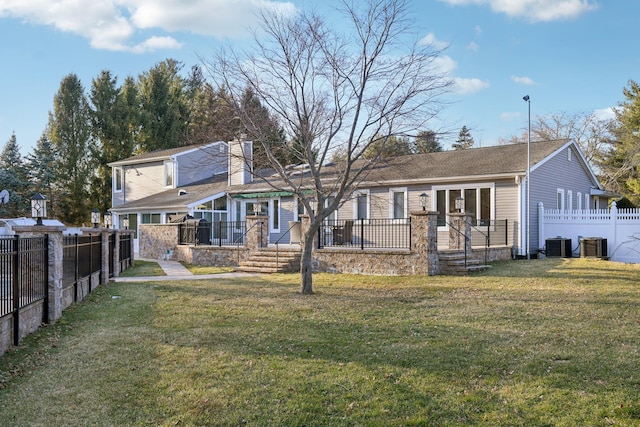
x=595, y=247
x=558, y=247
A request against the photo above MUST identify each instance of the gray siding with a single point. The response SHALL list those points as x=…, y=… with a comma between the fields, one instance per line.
x=556, y=173
x=140, y=181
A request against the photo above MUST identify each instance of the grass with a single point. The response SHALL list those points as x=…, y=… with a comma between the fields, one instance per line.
x=530, y=343
x=143, y=268
x=199, y=269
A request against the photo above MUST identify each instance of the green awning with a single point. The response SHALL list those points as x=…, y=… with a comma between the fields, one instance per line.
x=268, y=195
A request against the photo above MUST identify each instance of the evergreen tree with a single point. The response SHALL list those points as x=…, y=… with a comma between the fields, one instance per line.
x=621, y=165
x=111, y=127
x=464, y=141
x=392, y=146
x=41, y=165
x=164, y=115
x=14, y=179
x=427, y=142
x=70, y=132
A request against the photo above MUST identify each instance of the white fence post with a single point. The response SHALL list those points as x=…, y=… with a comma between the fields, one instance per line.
x=541, y=239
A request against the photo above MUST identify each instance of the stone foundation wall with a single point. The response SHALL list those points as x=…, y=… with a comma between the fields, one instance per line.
x=391, y=263
x=158, y=241
x=215, y=256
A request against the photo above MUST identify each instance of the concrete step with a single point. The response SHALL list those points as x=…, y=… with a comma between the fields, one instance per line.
x=271, y=261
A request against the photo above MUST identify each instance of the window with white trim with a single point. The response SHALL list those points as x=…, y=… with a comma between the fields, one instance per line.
x=579, y=200
x=275, y=215
x=398, y=203
x=570, y=200
x=117, y=180
x=361, y=205
x=560, y=199
x=586, y=202
x=478, y=201
x=169, y=173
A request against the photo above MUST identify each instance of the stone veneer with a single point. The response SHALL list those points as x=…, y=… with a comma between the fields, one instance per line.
x=160, y=241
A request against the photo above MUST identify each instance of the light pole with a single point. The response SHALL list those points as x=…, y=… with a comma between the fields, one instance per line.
x=528, y=101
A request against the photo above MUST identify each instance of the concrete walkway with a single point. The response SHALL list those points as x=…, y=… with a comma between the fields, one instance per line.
x=176, y=271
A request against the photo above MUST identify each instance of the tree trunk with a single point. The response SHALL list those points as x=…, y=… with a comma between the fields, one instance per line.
x=306, y=268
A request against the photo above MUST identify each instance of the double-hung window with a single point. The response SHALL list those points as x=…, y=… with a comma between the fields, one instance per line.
x=117, y=180
x=398, y=203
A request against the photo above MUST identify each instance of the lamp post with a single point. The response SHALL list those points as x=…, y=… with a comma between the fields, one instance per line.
x=107, y=219
x=125, y=222
x=424, y=199
x=95, y=218
x=38, y=207
x=528, y=101
x=459, y=203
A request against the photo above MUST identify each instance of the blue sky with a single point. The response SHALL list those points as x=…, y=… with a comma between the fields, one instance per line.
x=569, y=56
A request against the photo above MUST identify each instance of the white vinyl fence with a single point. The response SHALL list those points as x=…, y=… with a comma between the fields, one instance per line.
x=621, y=228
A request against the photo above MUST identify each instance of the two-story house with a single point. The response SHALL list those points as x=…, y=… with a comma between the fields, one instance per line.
x=215, y=182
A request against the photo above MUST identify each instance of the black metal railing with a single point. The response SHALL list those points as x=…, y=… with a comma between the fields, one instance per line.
x=366, y=233
x=81, y=257
x=23, y=276
x=125, y=251
x=218, y=233
x=490, y=232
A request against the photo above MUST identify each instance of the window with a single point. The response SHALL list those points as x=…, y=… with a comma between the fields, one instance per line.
x=275, y=214
x=151, y=218
x=478, y=201
x=117, y=180
x=579, y=200
x=398, y=203
x=362, y=205
x=586, y=202
x=569, y=153
x=560, y=199
x=570, y=200
x=168, y=173
x=333, y=216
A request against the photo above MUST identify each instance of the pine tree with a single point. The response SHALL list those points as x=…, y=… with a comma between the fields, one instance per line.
x=14, y=179
x=621, y=165
x=164, y=115
x=427, y=142
x=464, y=141
x=70, y=132
x=41, y=165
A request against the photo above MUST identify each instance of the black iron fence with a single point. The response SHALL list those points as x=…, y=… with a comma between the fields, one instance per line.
x=218, y=233
x=490, y=232
x=367, y=233
x=23, y=275
x=81, y=257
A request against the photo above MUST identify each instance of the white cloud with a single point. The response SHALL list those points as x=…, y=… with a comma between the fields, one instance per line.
x=445, y=64
x=535, y=10
x=473, y=46
x=522, y=80
x=466, y=86
x=112, y=24
x=430, y=40
x=605, y=113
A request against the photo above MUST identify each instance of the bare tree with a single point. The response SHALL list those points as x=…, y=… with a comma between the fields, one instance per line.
x=333, y=90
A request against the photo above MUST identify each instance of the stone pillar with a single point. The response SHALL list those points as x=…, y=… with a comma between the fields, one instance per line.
x=460, y=231
x=424, y=239
x=257, y=232
x=54, y=264
x=116, y=253
x=104, y=262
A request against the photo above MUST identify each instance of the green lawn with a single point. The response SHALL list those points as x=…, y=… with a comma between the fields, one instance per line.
x=529, y=343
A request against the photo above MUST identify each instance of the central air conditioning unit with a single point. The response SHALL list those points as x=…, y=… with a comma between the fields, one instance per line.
x=593, y=247
x=558, y=247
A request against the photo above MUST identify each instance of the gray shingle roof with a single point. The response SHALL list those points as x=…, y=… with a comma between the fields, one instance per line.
x=464, y=164
x=158, y=154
